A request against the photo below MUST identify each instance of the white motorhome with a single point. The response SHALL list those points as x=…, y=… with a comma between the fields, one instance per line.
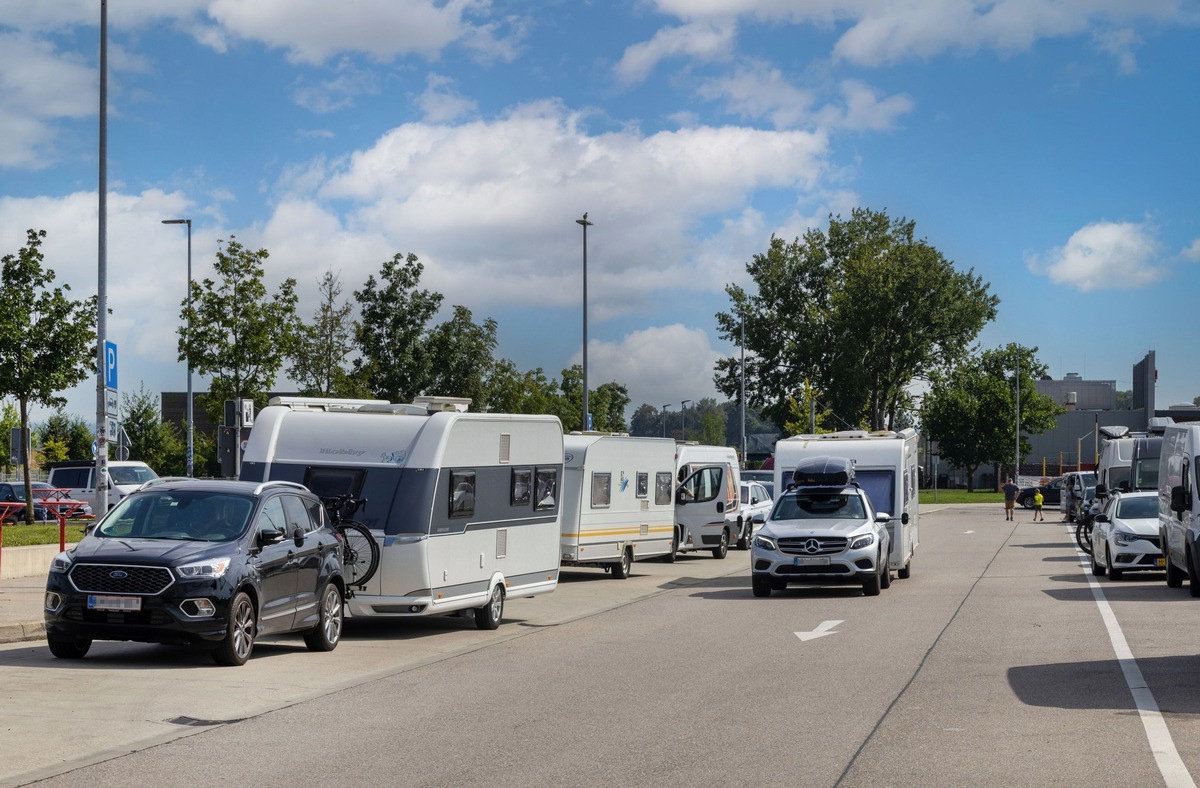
x=1179, y=505
x=885, y=467
x=465, y=506
x=618, y=500
x=708, y=502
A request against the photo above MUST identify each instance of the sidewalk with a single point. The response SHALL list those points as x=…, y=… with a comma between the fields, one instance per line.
x=21, y=608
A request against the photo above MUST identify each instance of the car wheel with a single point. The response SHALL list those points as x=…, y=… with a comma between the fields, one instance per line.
x=69, y=648
x=1027, y=502
x=722, y=550
x=670, y=557
x=240, y=629
x=746, y=528
x=761, y=585
x=1097, y=570
x=488, y=616
x=1113, y=572
x=885, y=580
x=872, y=585
x=1193, y=579
x=328, y=632
x=621, y=569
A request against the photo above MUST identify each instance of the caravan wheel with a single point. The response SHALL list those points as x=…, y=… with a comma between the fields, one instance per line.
x=670, y=557
x=622, y=569
x=905, y=572
x=488, y=616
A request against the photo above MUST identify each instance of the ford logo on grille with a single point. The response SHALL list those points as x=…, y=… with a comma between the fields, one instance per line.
x=118, y=574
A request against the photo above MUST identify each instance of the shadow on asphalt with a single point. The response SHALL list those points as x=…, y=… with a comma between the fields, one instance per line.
x=1100, y=685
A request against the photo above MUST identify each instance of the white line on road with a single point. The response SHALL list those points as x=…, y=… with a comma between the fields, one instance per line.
x=822, y=629
x=1170, y=765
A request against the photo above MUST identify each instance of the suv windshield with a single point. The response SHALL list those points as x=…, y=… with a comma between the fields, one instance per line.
x=179, y=514
x=817, y=505
x=127, y=474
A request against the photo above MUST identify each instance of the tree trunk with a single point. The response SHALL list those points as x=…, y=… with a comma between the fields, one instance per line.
x=25, y=450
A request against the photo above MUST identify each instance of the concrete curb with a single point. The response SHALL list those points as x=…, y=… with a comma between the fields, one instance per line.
x=18, y=633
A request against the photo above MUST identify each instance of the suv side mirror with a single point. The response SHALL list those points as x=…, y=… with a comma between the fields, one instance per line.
x=270, y=536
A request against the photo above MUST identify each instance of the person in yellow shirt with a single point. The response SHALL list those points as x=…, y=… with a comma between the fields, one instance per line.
x=1038, y=499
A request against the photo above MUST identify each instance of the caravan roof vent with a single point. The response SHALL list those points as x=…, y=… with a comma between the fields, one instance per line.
x=444, y=404
x=823, y=472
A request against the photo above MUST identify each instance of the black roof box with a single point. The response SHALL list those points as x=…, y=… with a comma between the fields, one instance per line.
x=823, y=472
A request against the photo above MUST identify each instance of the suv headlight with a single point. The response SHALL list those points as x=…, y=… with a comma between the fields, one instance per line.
x=763, y=543
x=859, y=542
x=61, y=563
x=1124, y=538
x=211, y=569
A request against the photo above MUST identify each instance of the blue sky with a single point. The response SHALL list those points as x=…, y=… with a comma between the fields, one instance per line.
x=1047, y=144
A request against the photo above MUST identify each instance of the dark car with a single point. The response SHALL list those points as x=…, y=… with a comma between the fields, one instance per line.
x=1051, y=494
x=15, y=491
x=209, y=563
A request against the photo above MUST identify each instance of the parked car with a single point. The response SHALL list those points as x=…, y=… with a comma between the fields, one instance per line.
x=1125, y=535
x=15, y=491
x=1051, y=494
x=83, y=512
x=209, y=563
x=755, y=501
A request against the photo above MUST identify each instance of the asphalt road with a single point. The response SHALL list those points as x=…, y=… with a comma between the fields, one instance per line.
x=992, y=665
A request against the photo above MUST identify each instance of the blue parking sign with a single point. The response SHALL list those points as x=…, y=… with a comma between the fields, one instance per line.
x=110, y=365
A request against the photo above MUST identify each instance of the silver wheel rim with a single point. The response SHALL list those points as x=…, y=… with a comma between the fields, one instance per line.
x=331, y=614
x=497, y=604
x=243, y=629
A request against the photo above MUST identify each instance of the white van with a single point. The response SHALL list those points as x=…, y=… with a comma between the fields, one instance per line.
x=1179, y=505
x=708, y=501
x=465, y=506
x=885, y=467
x=79, y=477
x=618, y=500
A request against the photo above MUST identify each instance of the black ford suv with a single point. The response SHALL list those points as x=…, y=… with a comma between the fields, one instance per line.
x=214, y=563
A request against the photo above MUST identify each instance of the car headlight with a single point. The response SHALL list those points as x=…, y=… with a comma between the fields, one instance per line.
x=859, y=542
x=763, y=543
x=211, y=569
x=61, y=563
x=1124, y=538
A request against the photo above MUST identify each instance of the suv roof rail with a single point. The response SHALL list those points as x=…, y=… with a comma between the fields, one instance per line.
x=278, y=483
x=162, y=479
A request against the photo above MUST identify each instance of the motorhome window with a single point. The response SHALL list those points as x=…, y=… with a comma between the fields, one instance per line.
x=332, y=482
x=880, y=487
x=521, y=489
x=1145, y=475
x=662, y=489
x=462, y=493
x=643, y=484
x=601, y=490
x=547, y=488
x=1118, y=477
x=702, y=486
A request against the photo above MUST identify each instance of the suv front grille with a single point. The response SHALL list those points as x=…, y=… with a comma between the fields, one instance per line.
x=800, y=545
x=99, y=579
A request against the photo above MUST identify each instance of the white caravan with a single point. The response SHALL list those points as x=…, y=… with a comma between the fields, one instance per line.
x=708, y=512
x=617, y=500
x=885, y=467
x=465, y=506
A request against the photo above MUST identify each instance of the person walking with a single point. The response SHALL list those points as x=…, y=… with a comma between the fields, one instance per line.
x=1038, y=500
x=1010, y=498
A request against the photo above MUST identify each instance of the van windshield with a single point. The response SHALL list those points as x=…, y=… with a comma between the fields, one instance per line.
x=1145, y=475
x=131, y=474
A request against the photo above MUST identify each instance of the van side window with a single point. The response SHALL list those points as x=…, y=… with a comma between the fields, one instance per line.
x=462, y=493
x=547, y=488
x=71, y=477
x=601, y=490
x=662, y=489
x=702, y=486
x=643, y=484
x=521, y=488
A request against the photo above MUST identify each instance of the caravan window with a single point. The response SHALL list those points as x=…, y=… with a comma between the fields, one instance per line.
x=662, y=489
x=521, y=490
x=880, y=487
x=332, y=482
x=462, y=493
x=601, y=490
x=643, y=484
x=547, y=488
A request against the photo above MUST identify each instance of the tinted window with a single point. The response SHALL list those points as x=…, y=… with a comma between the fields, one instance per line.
x=643, y=484
x=880, y=487
x=272, y=517
x=601, y=490
x=71, y=477
x=521, y=491
x=333, y=482
x=297, y=514
x=462, y=493
x=662, y=489
x=547, y=488
x=125, y=474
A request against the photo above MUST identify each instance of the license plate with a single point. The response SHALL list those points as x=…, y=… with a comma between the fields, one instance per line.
x=810, y=560
x=1160, y=562
x=96, y=602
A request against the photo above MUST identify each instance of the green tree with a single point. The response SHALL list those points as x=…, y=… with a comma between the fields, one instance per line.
x=232, y=331
x=970, y=409
x=648, y=422
x=862, y=310
x=10, y=419
x=460, y=355
x=159, y=444
x=323, y=346
x=513, y=391
x=607, y=403
x=394, y=360
x=706, y=422
x=47, y=340
x=71, y=433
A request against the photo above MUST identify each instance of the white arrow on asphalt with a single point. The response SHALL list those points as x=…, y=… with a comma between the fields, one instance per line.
x=823, y=629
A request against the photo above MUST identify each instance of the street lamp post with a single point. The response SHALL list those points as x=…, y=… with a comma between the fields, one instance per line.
x=585, y=224
x=665, y=419
x=683, y=417
x=190, y=419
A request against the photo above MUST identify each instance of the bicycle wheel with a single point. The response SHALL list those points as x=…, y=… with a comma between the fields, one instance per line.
x=360, y=553
x=1083, y=536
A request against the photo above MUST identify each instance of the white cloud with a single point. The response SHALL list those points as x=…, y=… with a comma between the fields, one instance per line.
x=700, y=40
x=758, y=90
x=441, y=103
x=38, y=86
x=865, y=110
x=1192, y=252
x=1103, y=256
x=656, y=365
x=338, y=92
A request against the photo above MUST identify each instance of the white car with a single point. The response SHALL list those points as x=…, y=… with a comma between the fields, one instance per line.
x=755, y=501
x=1125, y=536
x=821, y=535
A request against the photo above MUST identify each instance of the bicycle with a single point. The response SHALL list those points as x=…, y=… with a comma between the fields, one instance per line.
x=360, y=551
x=1083, y=526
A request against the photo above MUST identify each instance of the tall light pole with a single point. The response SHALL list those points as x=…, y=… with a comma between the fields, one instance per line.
x=1017, y=463
x=742, y=342
x=190, y=419
x=683, y=417
x=585, y=224
x=665, y=419
x=102, y=435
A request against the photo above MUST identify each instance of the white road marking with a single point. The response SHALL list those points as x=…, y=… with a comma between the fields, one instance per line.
x=1170, y=765
x=822, y=629
x=968, y=532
